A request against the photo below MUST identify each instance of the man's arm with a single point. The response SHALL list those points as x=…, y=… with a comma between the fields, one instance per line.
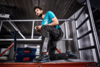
x=54, y=22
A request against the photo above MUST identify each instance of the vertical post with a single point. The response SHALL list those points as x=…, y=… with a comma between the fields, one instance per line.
x=15, y=40
x=94, y=29
x=67, y=35
x=32, y=30
x=1, y=25
x=66, y=28
x=75, y=37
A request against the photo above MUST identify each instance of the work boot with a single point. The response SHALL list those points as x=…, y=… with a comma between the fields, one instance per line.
x=42, y=58
x=71, y=55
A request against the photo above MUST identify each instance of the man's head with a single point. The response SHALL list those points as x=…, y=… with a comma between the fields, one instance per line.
x=38, y=10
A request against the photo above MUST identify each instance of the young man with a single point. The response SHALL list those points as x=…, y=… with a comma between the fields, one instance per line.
x=51, y=33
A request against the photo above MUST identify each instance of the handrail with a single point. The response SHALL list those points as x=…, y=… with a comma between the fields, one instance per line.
x=24, y=20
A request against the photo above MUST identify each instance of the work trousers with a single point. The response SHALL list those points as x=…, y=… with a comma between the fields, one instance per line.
x=50, y=36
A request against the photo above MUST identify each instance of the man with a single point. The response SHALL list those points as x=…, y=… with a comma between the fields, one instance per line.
x=51, y=33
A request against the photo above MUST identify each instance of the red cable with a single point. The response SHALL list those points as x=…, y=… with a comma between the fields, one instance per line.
x=58, y=50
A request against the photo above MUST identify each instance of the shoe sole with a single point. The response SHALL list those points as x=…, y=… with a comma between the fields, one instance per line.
x=41, y=61
x=73, y=57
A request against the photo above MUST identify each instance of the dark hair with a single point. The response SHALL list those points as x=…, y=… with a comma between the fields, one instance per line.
x=37, y=7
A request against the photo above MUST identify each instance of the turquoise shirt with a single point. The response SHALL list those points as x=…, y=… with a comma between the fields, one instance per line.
x=48, y=19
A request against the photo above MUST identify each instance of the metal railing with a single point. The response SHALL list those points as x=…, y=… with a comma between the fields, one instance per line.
x=11, y=22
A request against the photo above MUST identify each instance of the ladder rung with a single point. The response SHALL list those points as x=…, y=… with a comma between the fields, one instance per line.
x=91, y=47
x=85, y=34
x=81, y=12
x=82, y=23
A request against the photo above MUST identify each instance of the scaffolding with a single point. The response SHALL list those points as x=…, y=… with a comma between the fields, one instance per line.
x=75, y=38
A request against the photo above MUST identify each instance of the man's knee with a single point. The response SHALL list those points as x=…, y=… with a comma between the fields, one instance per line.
x=45, y=31
x=45, y=27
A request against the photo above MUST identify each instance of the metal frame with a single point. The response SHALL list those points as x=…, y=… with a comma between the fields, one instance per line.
x=93, y=31
x=29, y=39
x=80, y=12
x=32, y=30
x=21, y=39
x=75, y=37
x=32, y=33
x=68, y=34
x=31, y=20
x=66, y=29
x=87, y=48
x=15, y=33
x=17, y=30
x=84, y=34
x=82, y=23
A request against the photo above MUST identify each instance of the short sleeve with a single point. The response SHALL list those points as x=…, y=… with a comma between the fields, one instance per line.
x=51, y=14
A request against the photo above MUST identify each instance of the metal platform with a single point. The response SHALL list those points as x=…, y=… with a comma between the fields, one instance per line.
x=55, y=63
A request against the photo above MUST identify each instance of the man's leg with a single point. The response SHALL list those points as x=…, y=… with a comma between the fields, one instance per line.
x=50, y=32
x=46, y=36
x=52, y=54
x=52, y=48
x=56, y=35
x=41, y=45
x=44, y=45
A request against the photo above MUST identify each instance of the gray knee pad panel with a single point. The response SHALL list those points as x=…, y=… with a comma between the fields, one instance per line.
x=46, y=35
x=45, y=44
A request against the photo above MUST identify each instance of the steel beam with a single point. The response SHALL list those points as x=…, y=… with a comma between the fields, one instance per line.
x=75, y=38
x=17, y=30
x=66, y=29
x=31, y=20
x=94, y=28
x=32, y=34
x=27, y=39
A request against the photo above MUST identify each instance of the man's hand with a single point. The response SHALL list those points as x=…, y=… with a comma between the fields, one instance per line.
x=38, y=28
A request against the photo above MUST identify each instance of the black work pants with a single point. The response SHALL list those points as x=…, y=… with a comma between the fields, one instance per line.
x=54, y=35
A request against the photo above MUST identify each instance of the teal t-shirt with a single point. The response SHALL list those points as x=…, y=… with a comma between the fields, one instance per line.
x=48, y=19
